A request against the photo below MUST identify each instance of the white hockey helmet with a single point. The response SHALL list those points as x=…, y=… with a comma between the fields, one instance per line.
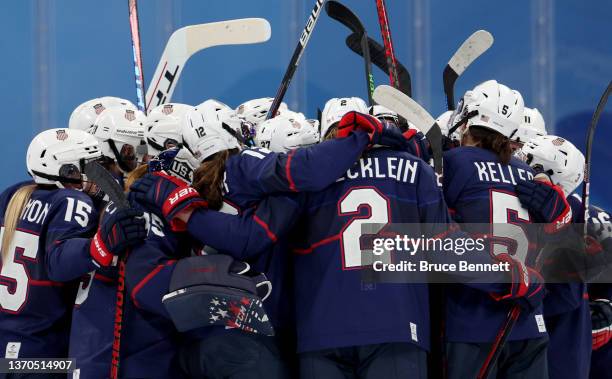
x=59, y=155
x=84, y=116
x=255, y=110
x=120, y=130
x=383, y=113
x=163, y=127
x=282, y=134
x=222, y=110
x=204, y=136
x=336, y=107
x=531, y=127
x=558, y=158
x=493, y=106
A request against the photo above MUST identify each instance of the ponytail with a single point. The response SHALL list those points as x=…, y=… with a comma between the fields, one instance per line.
x=13, y=212
x=208, y=178
x=493, y=141
x=134, y=175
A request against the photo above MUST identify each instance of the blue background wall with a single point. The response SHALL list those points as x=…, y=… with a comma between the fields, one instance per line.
x=57, y=54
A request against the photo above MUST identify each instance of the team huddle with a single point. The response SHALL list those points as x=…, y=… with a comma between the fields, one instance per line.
x=239, y=254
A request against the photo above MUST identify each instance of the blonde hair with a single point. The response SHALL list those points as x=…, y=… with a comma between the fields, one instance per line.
x=13, y=212
x=134, y=175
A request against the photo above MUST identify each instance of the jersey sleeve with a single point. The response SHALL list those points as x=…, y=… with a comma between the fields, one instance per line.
x=148, y=274
x=73, y=221
x=303, y=169
x=252, y=233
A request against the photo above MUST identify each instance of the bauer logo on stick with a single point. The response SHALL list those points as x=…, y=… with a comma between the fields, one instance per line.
x=311, y=22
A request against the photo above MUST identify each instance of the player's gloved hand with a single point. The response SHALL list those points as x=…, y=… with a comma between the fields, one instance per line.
x=546, y=202
x=163, y=161
x=601, y=232
x=418, y=145
x=526, y=286
x=117, y=233
x=353, y=121
x=168, y=195
x=601, y=319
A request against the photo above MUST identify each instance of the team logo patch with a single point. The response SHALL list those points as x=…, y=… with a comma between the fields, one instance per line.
x=167, y=109
x=98, y=108
x=61, y=135
x=130, y=115
x=558, y=141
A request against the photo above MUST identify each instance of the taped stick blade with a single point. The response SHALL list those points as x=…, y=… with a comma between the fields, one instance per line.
x=473, y=47
x=96, y=173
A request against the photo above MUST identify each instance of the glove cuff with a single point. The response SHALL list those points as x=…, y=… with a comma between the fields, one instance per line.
x=99, y=252
x=178, y=196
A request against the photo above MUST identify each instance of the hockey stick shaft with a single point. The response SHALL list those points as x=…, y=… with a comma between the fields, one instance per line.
x=348, y=18
x=99, y=175
x=295, y=58
x=136, y=51
x=385, y=31
x=378, y=57
x=500, y=341
x=586, y=183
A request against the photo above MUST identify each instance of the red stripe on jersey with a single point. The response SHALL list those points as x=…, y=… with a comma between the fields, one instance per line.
x=317, y=244
x=146, y=279
x=292, y=186
x=103, y=278
x=45, y=283
x=270, y=234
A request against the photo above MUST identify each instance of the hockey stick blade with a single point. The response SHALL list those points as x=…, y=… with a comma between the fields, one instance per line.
x=473, y=47
x=99, y=175
x=586, y=183
x=412, y=111
x=186, y=41
x=346, y=17
x=378, y=57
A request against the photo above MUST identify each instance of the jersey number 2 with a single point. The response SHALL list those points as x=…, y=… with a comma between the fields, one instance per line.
x=26, y=245
x=350, y=204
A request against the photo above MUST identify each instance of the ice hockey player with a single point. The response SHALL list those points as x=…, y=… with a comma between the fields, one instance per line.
x=282, y=134
x=480, y=180
x=47, y=244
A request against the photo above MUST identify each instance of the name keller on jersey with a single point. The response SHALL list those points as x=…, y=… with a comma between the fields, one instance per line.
x=496, y=173
x=399, y=169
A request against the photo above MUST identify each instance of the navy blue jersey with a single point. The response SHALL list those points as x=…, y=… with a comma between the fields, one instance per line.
x=34, y=305
x=255, y=173
x=333, y=307
x=150, y=342
x=480, y=190
x=91, y=331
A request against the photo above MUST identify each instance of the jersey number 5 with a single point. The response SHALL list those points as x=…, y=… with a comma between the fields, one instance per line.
x=508, y=235
x=350, y=204
x=15, y=272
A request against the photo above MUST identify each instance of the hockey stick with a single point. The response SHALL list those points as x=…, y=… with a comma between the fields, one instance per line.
x=136, y=51
x=500, y=341
x=99, y=175
x=378, y=57
x=385, y=32
x=345, y=16
x=295, y=58
x=586, y=183
x=412, y=111
x=473, y=47
x=188, y=40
